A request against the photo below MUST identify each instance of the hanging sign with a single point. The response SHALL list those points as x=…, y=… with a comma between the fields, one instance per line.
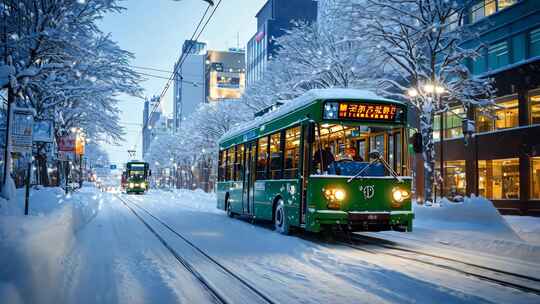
x=21, y=130
x=67, y=143
x=43, y=131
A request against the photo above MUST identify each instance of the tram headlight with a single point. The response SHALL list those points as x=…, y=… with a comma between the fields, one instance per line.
x=334, y=195
x=131, y=185
x=400, y=195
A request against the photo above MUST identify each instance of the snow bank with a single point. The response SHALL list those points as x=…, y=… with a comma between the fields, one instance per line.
x=193, y=200
x=474, y=224
x=33, y=247
x=527, y=227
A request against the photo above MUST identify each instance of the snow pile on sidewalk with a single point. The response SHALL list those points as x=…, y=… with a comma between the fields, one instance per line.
x=473, y=224
x=33, y=246
x=527, y=227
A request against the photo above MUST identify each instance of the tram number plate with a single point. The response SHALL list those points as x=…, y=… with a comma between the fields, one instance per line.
x=368, y=217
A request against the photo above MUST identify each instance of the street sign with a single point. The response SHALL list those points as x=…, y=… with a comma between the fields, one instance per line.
x=67, y=143
x=21, y=130
x=43, y=131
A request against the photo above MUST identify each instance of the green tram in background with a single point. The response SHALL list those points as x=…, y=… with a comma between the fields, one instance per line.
x=137, y=174
x=332, y=158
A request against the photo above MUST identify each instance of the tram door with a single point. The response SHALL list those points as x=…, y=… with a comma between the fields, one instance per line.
x=249, y=177
x=308, y=137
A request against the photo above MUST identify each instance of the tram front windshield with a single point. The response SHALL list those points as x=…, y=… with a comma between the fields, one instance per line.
x=137, y=171
x=341, y=149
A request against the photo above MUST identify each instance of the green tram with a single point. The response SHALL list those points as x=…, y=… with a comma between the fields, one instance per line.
x=330, y=158
x=137, y=174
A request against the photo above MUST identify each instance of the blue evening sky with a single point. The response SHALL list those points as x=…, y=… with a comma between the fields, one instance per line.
x=154, y=31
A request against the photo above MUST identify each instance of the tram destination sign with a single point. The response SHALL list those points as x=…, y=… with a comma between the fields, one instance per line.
x=361, y=111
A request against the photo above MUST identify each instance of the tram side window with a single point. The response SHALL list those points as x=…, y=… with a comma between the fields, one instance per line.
x=262, y=158
x=222, y=163
x=292, y=152
x=275, y=156
x=239, y=165
x=229, y=171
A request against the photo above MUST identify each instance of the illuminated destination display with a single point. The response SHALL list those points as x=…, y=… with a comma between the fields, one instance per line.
x=360, y=111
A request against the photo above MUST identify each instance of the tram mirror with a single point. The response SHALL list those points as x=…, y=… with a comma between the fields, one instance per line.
x=311, y=132
x=374, y=155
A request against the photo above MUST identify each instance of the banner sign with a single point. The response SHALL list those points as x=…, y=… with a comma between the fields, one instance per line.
x=43, y=131
x=21, y=130
x=67, y=143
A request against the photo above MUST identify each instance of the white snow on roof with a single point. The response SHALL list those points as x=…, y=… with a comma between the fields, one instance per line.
x=301, y=101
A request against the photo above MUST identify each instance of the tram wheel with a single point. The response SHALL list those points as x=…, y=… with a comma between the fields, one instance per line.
x=281, y=223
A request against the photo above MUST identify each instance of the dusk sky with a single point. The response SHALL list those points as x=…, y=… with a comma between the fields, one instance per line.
x=154, y=30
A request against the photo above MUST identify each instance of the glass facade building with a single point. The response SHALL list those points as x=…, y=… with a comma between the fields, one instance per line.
x=502, y=160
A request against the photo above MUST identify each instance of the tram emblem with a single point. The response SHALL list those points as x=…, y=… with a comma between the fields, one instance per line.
x=369, y=191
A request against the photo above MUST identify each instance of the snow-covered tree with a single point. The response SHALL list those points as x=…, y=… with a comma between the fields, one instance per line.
x=424, y=61
x=196, y=143
x=54, y=59
x=318, y=55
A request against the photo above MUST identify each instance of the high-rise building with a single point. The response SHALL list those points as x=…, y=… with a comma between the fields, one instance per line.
x=189, y=89
x=225, y=74
x=502, y=161
x=273, y=20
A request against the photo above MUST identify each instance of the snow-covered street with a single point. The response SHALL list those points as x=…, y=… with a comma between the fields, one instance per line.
x=92, y=248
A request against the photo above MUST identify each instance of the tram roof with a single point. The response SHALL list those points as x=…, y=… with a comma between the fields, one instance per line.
x=304, y=100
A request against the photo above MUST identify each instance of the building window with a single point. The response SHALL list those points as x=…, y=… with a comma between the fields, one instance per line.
x=535, y=178
x=535, y=107
x=452, y=124
x=454, y=178
x=534, y=43
x=275, y=156
x=262, y=158
x=498, y=55
x=499, y=178
x=502, y=115
x=486, y=8
x=292, y=152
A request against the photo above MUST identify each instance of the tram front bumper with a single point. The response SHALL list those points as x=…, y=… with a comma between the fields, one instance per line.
x=363, y=220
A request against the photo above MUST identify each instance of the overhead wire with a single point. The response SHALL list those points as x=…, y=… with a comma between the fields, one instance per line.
x=182, y=59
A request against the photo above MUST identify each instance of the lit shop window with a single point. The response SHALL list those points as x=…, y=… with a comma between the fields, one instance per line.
x=454, y=179
x=502, y=115
x=499, y=178
x=535, y=108
x=535, y=178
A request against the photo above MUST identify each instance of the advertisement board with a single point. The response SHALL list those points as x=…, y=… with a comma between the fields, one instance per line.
x=67, y=143
x=21, y=130
x=43, y=131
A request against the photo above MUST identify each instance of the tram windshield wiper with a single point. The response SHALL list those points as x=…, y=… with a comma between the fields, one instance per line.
x=376, y=157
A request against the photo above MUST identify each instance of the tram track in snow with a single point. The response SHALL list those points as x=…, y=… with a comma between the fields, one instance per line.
x=218, y=295
x=513, y=280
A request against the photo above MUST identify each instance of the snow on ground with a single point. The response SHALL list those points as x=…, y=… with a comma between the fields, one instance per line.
x=31, y=246
x=292, y=269
x=527, y=227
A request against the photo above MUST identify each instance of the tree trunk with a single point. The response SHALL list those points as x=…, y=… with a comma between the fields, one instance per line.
x=426, y=128
x=42, y=169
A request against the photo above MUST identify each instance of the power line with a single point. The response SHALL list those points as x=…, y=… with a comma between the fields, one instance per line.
x=183, y=57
